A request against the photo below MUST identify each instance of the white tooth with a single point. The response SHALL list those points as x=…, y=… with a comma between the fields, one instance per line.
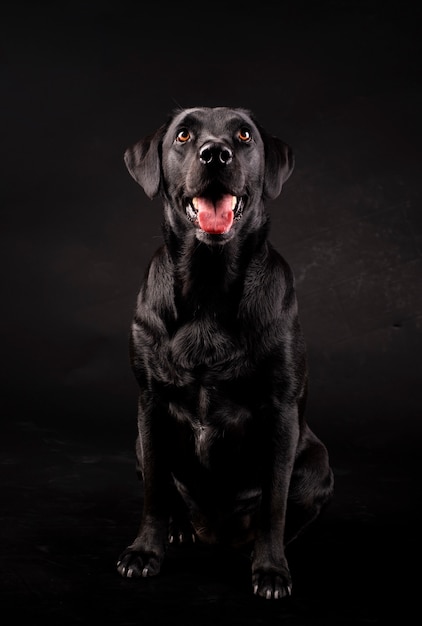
x=194, y=202
x=234, y=200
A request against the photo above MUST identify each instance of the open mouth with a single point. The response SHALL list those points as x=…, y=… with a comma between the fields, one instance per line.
x=215, y=215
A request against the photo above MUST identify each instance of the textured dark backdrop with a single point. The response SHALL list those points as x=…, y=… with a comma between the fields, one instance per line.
x=339, y=81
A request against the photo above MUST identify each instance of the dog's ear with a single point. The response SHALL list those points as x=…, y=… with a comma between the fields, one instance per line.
x=143, y=160
x=279, y=164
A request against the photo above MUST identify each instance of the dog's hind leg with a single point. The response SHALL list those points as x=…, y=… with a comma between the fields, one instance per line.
x=311, y=486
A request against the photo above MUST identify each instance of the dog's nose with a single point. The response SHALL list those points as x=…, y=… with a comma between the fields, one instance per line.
x=215, y=153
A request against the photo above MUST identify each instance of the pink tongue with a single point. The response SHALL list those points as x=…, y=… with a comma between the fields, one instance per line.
x=215, y=218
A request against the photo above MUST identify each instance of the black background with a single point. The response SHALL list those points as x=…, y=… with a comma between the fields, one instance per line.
x=341, y=83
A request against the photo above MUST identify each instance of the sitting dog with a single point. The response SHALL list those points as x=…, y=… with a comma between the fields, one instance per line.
x=224, y=451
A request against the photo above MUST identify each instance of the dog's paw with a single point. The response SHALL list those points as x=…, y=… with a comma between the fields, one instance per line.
x=134, y=563
x=181, y=532
x=272, y=585
x=182, y=537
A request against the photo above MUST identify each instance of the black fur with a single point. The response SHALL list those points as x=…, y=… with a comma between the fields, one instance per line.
x=224, y=451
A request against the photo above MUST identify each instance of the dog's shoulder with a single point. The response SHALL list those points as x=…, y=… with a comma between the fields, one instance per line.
x=155, y=301
x=269, y=284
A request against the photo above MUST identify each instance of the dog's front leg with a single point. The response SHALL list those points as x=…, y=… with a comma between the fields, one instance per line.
x=270, y=571
x=144, y=556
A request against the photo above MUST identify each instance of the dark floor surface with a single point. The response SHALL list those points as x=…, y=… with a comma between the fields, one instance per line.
x=68, y=508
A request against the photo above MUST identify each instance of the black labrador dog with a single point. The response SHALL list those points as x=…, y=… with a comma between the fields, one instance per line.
x=224, y=451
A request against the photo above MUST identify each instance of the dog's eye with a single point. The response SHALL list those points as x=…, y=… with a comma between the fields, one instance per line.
x=183, y=135
x=244, y=135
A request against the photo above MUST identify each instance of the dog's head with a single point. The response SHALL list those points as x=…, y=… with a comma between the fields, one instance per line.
x=214, y=168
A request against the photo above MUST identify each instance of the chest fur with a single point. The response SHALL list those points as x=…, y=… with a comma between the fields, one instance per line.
x=212, y=421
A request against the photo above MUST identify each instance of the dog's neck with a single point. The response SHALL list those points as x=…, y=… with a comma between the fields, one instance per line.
x=211, y=277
